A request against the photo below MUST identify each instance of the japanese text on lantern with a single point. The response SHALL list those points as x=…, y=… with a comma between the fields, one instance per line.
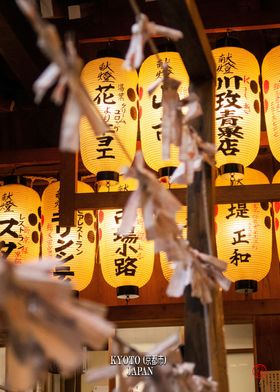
x=275, y=108
x=156, y=99
x=128, y=249
x=108, y=93
x=227, y=103
x=239, y=211
x=15, y=229
x=19, y=223
x=68, y=243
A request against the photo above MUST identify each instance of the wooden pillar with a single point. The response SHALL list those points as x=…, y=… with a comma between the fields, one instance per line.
x=72, y=384
x=203, y=325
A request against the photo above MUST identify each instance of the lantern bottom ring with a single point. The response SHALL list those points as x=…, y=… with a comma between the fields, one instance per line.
x=166, y=171
x=235, y=170
x=127, y=292
x=107, y=176
x=246, y=286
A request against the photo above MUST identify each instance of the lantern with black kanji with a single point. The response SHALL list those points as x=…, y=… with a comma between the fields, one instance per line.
x=73, y=247
x=167, y=266
x=113, y=90
x=151, y=109
x=244, y=235
x=271, y=96
x=126, y=261
x=20, y=221
x=237, y=109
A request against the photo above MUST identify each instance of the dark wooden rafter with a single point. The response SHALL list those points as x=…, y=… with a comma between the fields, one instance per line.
x=53, y=9
x=17, y=45
x=218, y=17
x=224, y=195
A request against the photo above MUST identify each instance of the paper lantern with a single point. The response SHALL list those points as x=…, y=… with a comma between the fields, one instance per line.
x=20, y=221
x=167, y=266
x=113, y=90
x=276, y=208
x=244, y=236
x=126, y=261
x=271, y=96
x=151, y=109
x=124, y=185
x=75, y=246
x=237, y=109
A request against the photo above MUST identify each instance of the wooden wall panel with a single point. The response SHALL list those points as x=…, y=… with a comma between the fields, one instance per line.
x=267, y=339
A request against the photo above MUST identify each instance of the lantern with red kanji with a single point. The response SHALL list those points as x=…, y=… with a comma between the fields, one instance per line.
x=271, y=96
x=114, y=91
x=244, y=235
x=151, y=109
x=20, y=223
x=127, y=262
x=73, y=247
x=237, y=109
x=276, y=208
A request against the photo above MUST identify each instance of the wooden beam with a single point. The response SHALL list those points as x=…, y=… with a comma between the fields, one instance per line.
x=247, y=193
x=53, y=9
x=224, y=195
x=78, y=11
x=240, y=311
x=147, y=315
x=245, y=310
x=217, y=17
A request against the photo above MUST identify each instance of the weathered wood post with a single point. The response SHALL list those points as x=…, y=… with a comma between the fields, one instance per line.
x=203, y=324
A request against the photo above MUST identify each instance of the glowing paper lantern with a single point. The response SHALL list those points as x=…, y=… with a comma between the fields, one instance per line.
x=166, y=266
x=126, y=261
x=244, y=236
x=74, y=247
x=151, y=109
x=124, y=185
x=276, y=208
x=20, y=221
x=113, y=90
x=271, y=95
x=237, y=109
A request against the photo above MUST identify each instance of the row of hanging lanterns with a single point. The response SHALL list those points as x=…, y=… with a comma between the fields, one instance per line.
x=30, y=229
x=26, y=233
x=123, y=103
x=122, y=98
x=243, y=234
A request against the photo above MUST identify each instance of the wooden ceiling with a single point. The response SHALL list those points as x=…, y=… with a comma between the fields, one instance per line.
x=255, y=23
